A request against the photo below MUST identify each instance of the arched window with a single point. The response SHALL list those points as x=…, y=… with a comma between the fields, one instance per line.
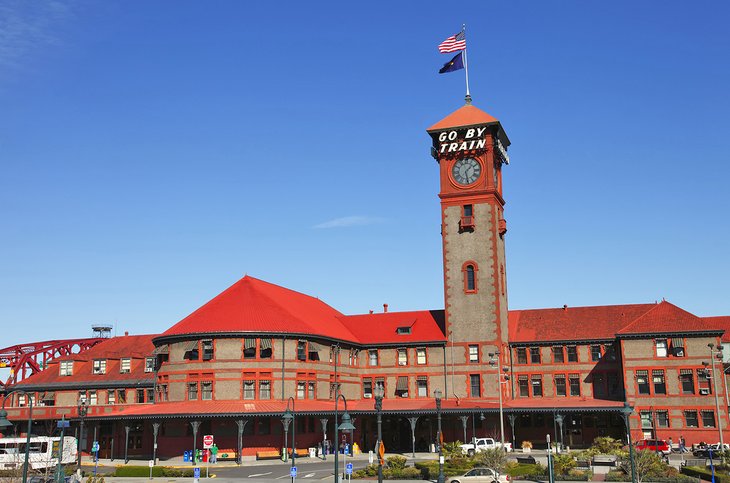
x=470, y=277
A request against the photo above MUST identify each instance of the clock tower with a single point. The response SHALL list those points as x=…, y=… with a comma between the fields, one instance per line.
x=470, y=147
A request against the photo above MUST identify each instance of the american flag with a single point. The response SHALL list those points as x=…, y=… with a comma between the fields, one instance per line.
x=453, y=43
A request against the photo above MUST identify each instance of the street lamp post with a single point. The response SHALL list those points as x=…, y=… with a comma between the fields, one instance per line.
x=714, y=390
x=625, y=413
x=346, y=425
x=290, y=417
x=4, y=423
x=437, y=395
x=498, y=356
x=379, y=392
x=83, y=409
x=512, y=421
x=559, y=418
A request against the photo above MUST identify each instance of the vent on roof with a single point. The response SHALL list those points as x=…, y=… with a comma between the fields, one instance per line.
x=403, y=330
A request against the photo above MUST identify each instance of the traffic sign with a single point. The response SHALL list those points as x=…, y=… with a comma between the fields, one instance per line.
x=95, y=447
x=293, y=472
x=196, y=472
x=63, y=424
x=348, y=469
x=207, y=441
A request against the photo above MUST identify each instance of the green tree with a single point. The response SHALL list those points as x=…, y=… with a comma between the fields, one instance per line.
x=648, y=464
x=495, y=458
x=606, y=445
x=563, y=463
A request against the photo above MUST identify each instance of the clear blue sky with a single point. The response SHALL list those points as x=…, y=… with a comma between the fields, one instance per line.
x=152, y=153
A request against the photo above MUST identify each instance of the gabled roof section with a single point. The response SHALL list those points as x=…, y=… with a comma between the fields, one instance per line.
x=572, y=323
x=254, y=306
x=424, y=325
x=720, y=322
x=665, y=318
x=466, y=115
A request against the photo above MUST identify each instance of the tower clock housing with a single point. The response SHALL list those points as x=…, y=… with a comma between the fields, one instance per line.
x=470, y=147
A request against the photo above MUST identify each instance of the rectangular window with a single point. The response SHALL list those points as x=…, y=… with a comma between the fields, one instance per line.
x=687, y=382
x=66, y=368
x=207, y=349
x=535, y=355
x=662, y=419
x=373, y=357
x=708, y=419
x=595, y=352
x=642, y=382
x=524, y=384
x=421, y=356
x=265, y=389
x=558, y=354
x=367, y=387
x=125, y=365
x=249, y=348
x=599, y=386
x=99, y=366
x=475, y=385
x=140, y=396
x=207, y=390
x=93, y=399
x=402, y=357
x=162, y=392
x=574, y=381
x=572, y=353
x=401, y=386
x=266, y=351
x=150, y=394
x=110, y=397
x=473, y=354
x=82, y=397
x=301, y=387
x=249, y=389
x=690, y=418
x=122, y=396
x=422, y=386
x=646, y=420
x=703, y=381
x=192, y=391
x=521, y=355
x=311, y=390
x=302, y=350
x=560, y=389
x=661, y=347
x=660, y=385
x=149, y=364
x=536, y=385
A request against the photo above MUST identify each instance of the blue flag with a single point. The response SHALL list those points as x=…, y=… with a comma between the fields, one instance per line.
x=454, y=64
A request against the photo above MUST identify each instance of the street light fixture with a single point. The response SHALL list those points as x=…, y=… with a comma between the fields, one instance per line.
x=287, y=418
x=346, y=425
x=4, y=423
x=495, y=358
x=83, y=409
x=625, y=413
x=378, y=393
x=714, y=390
x=437, y=395
x=559, y=418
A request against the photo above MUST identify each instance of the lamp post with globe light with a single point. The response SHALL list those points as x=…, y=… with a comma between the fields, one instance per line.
x=4, y=423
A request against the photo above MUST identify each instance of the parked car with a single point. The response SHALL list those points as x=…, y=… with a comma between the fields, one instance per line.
x=482, y=444
x=704, y=450
x=656, y=445
x=479, y=475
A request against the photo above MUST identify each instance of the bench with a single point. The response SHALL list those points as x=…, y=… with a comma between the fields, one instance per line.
x=227, y=454
x=583, y=464
x=528, y=460
x=605, y=460
x=267, y=454
x=695, y=462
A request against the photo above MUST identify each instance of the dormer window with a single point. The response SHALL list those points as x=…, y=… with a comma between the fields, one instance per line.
x=66, y=368
x=99, y=366
x=149, y=364
x=125, y=365
x=403, y=330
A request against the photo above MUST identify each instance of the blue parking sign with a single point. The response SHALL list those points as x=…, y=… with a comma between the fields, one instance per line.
x=348, y=468
x=293, y=472
x=196, y=473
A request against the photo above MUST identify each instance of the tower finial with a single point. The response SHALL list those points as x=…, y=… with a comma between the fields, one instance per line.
x=467, y=99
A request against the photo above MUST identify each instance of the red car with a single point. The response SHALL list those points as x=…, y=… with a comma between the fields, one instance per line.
x=656, y=445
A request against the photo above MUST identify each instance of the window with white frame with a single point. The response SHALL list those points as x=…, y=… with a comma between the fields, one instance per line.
x=149, y=364
x=111, y=397
x=373, y=357
x=125, y=365
x=474, y=353
x=661, y=347
x=99, y=366
x=66, y=368
x=93, y=399
x=402, y=357
x=421, y=355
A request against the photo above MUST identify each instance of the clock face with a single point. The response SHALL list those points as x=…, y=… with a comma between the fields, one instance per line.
x=466, y=171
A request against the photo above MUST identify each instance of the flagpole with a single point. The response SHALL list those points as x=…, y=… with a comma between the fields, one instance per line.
x=466, y=66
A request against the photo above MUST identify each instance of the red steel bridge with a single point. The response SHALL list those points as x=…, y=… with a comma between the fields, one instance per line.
x=24, y=360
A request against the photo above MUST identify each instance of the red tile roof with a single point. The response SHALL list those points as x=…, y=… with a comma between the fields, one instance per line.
x=665, y=318
x=136, y=347
x=466, y=115
x=254, y=306
x=382, y=328
x=720, y=322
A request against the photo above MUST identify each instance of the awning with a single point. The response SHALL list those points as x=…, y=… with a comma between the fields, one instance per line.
x=677, y=342
x=190, y=345
x=314, y=347
x=249, y=343
x=159, y=350
x=49, y=396
x=265, y=344
x=402, y=384
x=685, y=372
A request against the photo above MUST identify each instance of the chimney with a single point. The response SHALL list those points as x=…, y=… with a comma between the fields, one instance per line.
x=385, y=308
x=371, y=312
x=126, y=333
x=565, y=307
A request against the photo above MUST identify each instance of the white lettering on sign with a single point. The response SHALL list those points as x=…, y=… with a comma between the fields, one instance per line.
x=473, y=138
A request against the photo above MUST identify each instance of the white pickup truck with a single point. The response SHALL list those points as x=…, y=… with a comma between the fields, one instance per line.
x=482, y=444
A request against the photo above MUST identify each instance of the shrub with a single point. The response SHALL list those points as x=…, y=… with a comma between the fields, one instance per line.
x=606, y=445
x=527, y=445
x=157, y=472
x=494, y=458
x=704, y=473
x=563, y=464
x=396, y=462
x=525, y=470
x=453, y=449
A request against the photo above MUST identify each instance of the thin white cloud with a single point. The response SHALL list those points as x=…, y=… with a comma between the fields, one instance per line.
x=27, y=27
x=348, y=221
